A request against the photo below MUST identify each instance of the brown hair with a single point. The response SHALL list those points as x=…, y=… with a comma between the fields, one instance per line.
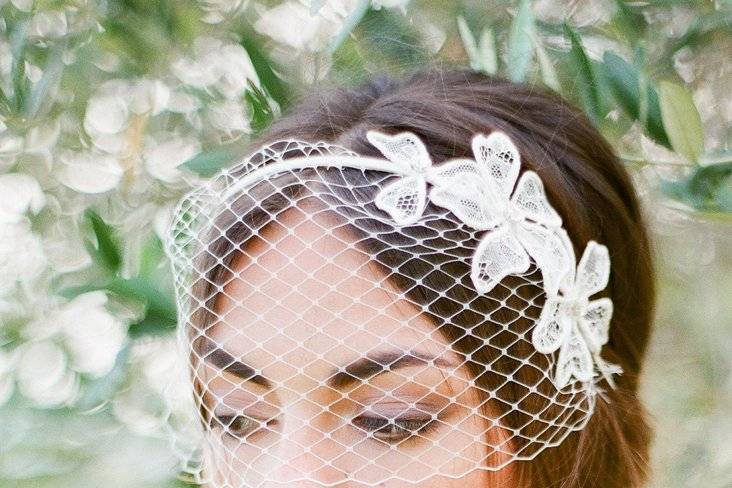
x=585, y=183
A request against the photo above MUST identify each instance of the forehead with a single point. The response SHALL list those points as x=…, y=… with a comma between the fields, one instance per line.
x=303, y=289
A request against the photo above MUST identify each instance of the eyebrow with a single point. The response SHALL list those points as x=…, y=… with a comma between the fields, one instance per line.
x=361, y=369
x=373, y=365
x=227, y=363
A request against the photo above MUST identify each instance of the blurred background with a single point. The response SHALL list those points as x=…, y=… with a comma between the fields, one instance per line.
x=110, y=110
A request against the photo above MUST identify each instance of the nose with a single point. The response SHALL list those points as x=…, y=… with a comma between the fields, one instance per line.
x=304, y=457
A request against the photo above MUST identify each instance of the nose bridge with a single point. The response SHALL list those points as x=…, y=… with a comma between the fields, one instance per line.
x=306, y=448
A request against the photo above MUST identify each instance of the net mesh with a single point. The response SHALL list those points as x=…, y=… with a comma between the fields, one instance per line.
x=338, y=323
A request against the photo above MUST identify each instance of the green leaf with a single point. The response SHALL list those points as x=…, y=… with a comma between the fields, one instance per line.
x=152, y=256
x=482, y=55
x=724, y=196
x=350, y=23
x=160, y=311
x=706, y=189
x=627, y=22
x=487, y=50
x=17, y=67
x=49, y=80
x=260, y=106
x=548, y=72
x=721, y=157
x=520, y=45
x=681, y=120
x=587, y=80
x=471, y=47
x=5, y=106
x=624, y=81
x=160, y=316
x=271, y=82
x=207, y=163
x=106, y=251
x=152, y=324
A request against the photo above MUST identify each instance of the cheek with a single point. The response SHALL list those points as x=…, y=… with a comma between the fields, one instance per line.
x=476, y=479
x=224, y=469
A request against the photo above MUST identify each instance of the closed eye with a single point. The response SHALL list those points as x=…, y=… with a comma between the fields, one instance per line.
x=241, y=426
x=394, y=430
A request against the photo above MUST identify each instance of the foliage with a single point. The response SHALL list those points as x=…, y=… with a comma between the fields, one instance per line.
x=110, y=110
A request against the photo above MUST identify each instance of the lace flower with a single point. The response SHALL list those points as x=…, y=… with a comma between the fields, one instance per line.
x=576, y=325
x=404, y=199
x=484, y=194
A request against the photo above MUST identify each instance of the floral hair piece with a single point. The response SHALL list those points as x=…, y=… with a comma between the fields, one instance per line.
x=520, y=224
x=481, y=223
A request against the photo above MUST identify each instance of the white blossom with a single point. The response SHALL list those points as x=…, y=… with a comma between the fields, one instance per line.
x=19, y=193
x=149, y=96
x=162, y=219
x=7, y=381
x=92, y=336
x=589, y=12
x=42, y=138
x=292, y=24
x=48, y=24
x=182, y=102
x=110, y=110
x=106, y=114
x=395, y=4
x=33, y=72
x=64, y=246
x=10, y=147
x=164, y=391
x=225, y=67
x=163, y=159
x=43, y=376
x=21, y=255
x=6, y=57
x=89, y=172
x=218, y=10
x=23, y=5
x=229, y=117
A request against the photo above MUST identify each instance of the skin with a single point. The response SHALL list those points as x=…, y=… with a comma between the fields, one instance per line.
x=277, y=376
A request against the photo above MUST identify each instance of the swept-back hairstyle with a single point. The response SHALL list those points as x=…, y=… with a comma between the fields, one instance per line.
x=585, y=183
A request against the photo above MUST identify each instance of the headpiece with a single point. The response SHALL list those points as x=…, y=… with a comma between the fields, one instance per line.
x=367, y=319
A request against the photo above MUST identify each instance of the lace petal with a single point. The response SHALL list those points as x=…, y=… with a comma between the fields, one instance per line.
x=595, y=323
x=530, y=200
x=551, y=252
x=498, y=255
x=593, y=271
x=553, y=327
x=499, y=158
x=456, y=187
x=403, y=199
x=404, y=149
x=574, y=360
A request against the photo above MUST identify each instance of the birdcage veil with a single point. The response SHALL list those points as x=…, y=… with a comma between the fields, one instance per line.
x=369, y=319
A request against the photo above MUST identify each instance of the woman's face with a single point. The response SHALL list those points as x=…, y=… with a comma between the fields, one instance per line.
x=317, y=370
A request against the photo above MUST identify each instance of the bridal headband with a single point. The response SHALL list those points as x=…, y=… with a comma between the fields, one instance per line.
x=370, y=319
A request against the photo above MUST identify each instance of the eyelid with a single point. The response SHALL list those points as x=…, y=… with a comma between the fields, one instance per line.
x=259, y=410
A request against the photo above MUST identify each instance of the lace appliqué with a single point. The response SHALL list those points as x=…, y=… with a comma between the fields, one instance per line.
x=520, y=224
x=483, y=194
x=577, y=326
x=405, y=198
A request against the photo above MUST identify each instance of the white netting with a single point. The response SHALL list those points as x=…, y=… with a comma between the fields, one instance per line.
x=365, y=320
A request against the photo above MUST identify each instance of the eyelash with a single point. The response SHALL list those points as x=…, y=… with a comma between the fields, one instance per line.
x=394, y=430
x=387, y=430
x=227, y=423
